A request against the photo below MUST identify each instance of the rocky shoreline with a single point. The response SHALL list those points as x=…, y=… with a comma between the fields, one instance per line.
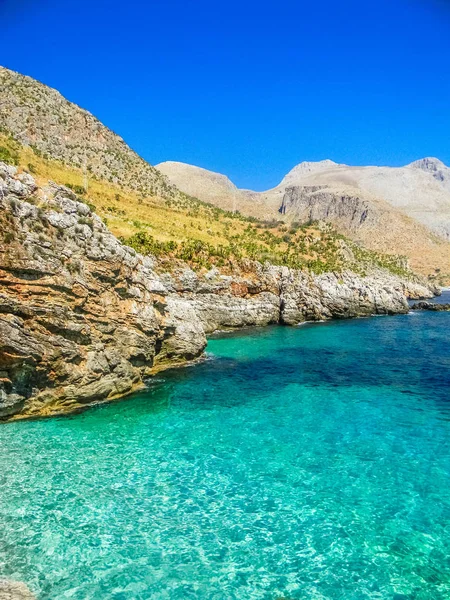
x=85, y=319
x=430, y=306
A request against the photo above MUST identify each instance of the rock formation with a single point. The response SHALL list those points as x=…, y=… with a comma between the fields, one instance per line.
x=85, y=319
x=436, y=167
x=318, y=203
x=82, y=316
x=14, y=590
x=430, y=306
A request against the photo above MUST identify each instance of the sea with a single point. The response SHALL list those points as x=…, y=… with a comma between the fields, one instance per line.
x=308, y=462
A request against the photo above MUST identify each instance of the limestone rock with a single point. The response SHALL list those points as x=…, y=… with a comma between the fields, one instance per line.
x=85, y=319
x=14, y=590
x=430, y=306
x=82, y=317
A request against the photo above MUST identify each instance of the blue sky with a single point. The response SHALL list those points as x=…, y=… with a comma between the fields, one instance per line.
x=247, y=88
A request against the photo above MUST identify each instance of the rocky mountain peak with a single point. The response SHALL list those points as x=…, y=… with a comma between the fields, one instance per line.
x=436, y=168
x=306, y=168
x=428, y=164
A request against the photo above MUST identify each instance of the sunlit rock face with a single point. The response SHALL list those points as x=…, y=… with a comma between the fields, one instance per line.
x=85, y=319
x=14, y=590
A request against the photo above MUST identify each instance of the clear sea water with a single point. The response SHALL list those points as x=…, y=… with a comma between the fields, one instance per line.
x=444, y=298
x=296, y=463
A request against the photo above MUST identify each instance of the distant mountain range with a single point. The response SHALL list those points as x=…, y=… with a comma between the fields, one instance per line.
x=404, y=210
x=420, y=190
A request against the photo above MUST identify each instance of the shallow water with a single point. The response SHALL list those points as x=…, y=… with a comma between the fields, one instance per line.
x=302, y=463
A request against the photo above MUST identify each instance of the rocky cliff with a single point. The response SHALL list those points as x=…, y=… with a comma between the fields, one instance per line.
x=85, y=319
x=319, y=203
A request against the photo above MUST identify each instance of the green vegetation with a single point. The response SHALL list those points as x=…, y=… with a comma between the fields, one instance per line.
x=8, y=237
x=8, y=156
x=316, y=248
x=78, y=189
x=180, y=227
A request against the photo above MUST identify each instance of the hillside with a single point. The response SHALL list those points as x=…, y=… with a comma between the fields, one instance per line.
x=48, y=137
x=41, y=118
x=214, y=188
x=85, y=318
x=394, y=210
x=420, y=190
x=188, y=229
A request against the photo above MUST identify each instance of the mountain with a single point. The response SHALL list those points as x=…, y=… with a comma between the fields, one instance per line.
x=304, y=169
x=212, y=187
x=402, y=210
x=40, y=117
x=185, y=211
x=201, y=183
x=436, y=167
x=420, y=190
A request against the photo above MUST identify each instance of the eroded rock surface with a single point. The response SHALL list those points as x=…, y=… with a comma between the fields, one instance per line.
x=315, y=203
x=85, y=319
x=14, y=590
x=82, y=317
x=430, y=306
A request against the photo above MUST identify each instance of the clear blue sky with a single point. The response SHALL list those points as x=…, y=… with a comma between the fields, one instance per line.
x=245, y=87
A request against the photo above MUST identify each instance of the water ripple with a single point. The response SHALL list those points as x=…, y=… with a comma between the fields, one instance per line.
x=300, y=463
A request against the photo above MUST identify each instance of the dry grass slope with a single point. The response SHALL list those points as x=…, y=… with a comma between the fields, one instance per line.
x=199, y=233
x=391, y=228
x=56, y=140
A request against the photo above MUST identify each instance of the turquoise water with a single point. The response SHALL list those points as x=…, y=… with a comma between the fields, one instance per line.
x=295, y=463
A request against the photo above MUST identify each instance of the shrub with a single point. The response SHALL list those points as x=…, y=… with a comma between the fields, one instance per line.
x=8, y=156
x=86, y=221
x=78, y=189
x=36, y=150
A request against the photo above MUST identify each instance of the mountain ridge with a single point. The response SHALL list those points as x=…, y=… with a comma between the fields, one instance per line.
x=40, y=117
x=173, y=206
x=412, y=203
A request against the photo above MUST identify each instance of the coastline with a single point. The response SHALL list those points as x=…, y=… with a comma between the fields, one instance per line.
x=67, y=411
x=86, y=320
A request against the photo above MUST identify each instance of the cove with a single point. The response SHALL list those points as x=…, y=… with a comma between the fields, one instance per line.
x=298, y=463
